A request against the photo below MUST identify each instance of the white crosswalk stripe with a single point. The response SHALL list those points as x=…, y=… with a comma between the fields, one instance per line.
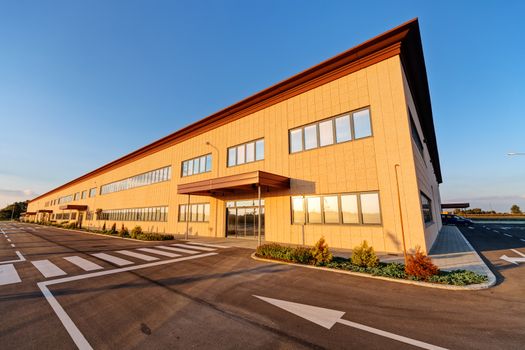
x=112, y=259
x=193, y=247
x=158, y=252
x=8, y=275
x=84, y=264
x=48, y=269
x=209, y=245
x=137, y=255
x=180, y=250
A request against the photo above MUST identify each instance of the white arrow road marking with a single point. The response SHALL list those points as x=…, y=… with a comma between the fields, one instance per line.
x=512, y=260
x=327, y=318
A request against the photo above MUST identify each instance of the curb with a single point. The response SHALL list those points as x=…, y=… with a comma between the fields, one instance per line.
x=492, y=278
x=478, y=286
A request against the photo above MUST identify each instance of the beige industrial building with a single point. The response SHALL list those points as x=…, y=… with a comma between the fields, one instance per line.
x=345, y=150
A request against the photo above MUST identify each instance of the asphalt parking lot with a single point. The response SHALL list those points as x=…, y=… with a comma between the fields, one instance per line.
x=221, y=298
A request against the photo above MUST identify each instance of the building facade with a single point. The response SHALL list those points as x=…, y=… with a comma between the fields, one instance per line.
x=345, y=150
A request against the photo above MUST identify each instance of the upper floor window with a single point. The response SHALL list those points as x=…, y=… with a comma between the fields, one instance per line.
x=84, y=194
x=65, y=199
x=196, y=165
x=151, y=177
x=77, y=196
x=415, y=134
x=349, y=126
x=92, y=192
x=246, y=153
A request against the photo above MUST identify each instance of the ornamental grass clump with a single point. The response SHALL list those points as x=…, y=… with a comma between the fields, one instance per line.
x=364, y=256
x=113, y=229
x=320, y=253
x=123, y=232
x=420, y=267
x=136, y=232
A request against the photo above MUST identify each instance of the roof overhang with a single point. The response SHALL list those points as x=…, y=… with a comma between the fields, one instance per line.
x=45, y=211
x=455, y=205
x=73, y=207
x=235, y=184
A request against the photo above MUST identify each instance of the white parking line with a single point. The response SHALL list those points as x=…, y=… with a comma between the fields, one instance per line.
x=112, y=259
x=159, y=252
x=193, y=247
x=506, y=234
x=84, y=264
x=12, y=245
x=20, y=258
x=48, y=269
x=180, y=250
x=496, y=231
x=71, y=328
x=137, y=255
x=209, y=245
x=521, y=239
x=9, y=240
x=8, y=275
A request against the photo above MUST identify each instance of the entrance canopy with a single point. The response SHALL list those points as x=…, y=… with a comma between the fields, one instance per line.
x=73, y=207
x=45, y=211
x=235, y=184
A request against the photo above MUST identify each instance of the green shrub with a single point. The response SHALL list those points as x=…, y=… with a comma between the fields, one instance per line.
x=364, y=256
x=301, y=255
x=274, y=251
x=137, y=231
x=458, y=278
x=71, y=225
x=123, y=232
x=320, y=253
x=104, y=227
x=152, y=236
x=113, y=229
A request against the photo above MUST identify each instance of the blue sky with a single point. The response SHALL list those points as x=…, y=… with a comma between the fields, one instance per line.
x=84, y=82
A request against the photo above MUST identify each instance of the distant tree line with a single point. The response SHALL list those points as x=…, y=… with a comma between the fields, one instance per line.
x=515, y=209
x=13, y=210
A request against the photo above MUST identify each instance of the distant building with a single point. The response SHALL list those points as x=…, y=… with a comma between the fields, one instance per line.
x=322, y=147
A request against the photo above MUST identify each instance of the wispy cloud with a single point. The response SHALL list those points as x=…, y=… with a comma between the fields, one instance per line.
x=10, y=196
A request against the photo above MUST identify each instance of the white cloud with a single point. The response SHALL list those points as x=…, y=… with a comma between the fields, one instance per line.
x=10, y=196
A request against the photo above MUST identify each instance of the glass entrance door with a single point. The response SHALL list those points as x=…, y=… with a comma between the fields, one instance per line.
x=242, y=218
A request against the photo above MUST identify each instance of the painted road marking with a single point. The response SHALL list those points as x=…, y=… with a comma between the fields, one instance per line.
x=137, y=255
x=8, y=275
x=470, y=227
x=521, y=239
x=180, y=250
x=327, y=318
x=159, y=252
x=12, y=245
x=506, y=234
x=112, y=259
x=193, y=247
x=20, y=258
x=209, y=245
x=84, y=264
x=71, y=328
x=496, y=231
x=48, y=269
x=514, y=260
x=9, y=240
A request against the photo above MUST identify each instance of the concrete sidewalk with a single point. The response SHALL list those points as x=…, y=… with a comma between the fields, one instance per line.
x=452, y=251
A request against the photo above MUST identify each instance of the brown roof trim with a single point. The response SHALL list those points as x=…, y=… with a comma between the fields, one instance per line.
x=379, y=48
x=238, y=182
x=454, y=205
x=44, y=211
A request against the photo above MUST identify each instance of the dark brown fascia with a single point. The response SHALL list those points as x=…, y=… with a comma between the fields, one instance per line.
x=397, y=41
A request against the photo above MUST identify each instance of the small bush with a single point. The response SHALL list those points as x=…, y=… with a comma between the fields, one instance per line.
x=364, y=256
x=71, y=225
x=420, y=267
x=152, y=236
x=458, y=278
x=104, y=227
x=320, y=253
x=274, y=251
x=123, y=232
x=137, y=231
x=113, y=229
x=301, y=255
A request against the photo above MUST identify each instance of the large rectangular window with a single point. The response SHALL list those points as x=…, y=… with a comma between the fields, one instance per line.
x=199, y=212
x=415, y=134
x=84, y=194
x=351, y=208
x=426, y=207
x=197, y=165
x=152, y=214
x=246, y=153
x=343, y=128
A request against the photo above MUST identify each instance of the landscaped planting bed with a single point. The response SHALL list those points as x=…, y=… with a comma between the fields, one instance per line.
x=364, y=260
